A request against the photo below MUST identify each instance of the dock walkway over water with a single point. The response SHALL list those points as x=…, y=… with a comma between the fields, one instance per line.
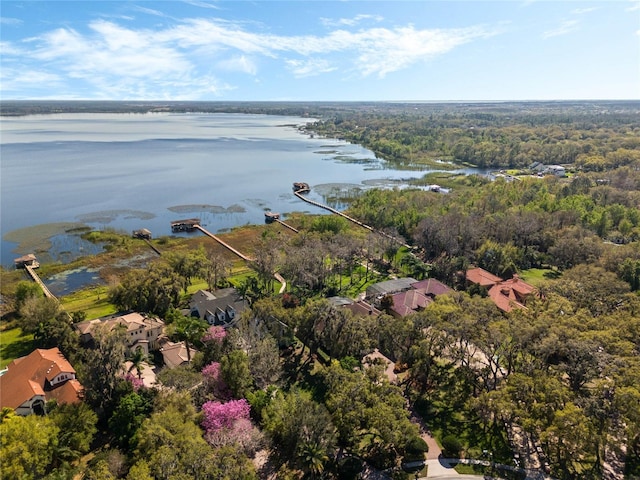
x=32, y=273
x=298, y=193
x=221, y=242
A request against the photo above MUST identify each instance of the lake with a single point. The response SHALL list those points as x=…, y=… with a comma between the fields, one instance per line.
x=131, y=171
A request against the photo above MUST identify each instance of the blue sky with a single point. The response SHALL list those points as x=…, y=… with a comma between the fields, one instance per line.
x=320, y=50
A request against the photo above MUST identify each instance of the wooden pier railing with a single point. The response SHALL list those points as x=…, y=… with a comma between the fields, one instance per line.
x=224, y=244
x=286, y=225
x=32, y=273
x=351, y=219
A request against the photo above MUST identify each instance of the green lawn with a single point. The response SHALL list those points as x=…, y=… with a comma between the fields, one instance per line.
x=13, y=344
x=93, y=301
x=536, y=276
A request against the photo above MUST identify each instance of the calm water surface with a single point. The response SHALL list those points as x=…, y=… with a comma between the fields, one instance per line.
x=130, y=171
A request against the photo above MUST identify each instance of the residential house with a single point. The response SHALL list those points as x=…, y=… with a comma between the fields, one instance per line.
x=143, y=330
x=377, y=291
x=481, y=277
x=357, y=307
x=506, y=294
x=407, y=294
x=175, y=354
x=31, y=381
x=222, y=307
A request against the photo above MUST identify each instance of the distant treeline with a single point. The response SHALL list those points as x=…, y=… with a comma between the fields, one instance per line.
x=588, y=135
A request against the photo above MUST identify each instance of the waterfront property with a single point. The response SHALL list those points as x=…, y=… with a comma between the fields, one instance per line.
x=31, y=381
x=222, y=307
x=143, y=331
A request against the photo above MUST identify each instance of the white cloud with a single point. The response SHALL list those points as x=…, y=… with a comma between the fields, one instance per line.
x=239, y=63
x=349, y=22
x=582, y=11
x=565, y=27
x=150, y=11
x=634, y=7
x=382, y=51
x=15, y=80
x=10, y=50
x=177, y=61
x=200, y=4
x=10, y=21
x=309, y=68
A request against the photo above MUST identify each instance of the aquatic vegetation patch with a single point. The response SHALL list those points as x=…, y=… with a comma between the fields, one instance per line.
x=213, y=209
x=37, y=238
x=108, y=216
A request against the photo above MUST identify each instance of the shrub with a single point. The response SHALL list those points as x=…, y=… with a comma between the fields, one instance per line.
x=451, y=446
x=416, y=446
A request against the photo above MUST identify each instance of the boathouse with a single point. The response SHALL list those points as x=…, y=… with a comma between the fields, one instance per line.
x=28, y=260
x=269, y=217
x=300, y=187
x=143, y=234
x=186, y=225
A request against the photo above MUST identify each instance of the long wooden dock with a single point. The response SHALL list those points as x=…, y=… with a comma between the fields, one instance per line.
x=221, y=242
x=351, y=219
x=148, y=242
x=36, y=278
x=286, y=225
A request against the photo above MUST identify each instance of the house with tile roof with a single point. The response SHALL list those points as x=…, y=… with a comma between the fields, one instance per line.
x=506, y=294
x=409, y=295
x=481, y=277
x=175, y=354
x=357, y=307
x=31, y=381
x=143, y=330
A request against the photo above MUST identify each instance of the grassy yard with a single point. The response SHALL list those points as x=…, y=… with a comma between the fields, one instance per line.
x=14, y=344
x=536, y=276
x=93, y=301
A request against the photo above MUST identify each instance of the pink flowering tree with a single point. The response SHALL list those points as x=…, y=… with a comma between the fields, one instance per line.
x=217, y=415
x=214, y=334
x=229, y=423
x=213, y=342
x=213, y=381
x=135, y=382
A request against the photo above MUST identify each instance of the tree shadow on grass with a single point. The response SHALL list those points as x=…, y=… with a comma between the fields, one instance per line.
x=552, y=274
x=18, y=348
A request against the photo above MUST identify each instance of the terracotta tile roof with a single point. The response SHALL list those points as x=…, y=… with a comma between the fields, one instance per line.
x=408, y=302
x=175, y=354
x=69, y=392
x=31, y=375
x=431, y=287
x=363, y=308
x=511, y=293
x=132, y=321
x=482, y=277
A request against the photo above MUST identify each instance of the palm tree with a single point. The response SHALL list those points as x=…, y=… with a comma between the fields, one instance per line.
x=137, y=359
x=189, y=330
x=313, y=458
